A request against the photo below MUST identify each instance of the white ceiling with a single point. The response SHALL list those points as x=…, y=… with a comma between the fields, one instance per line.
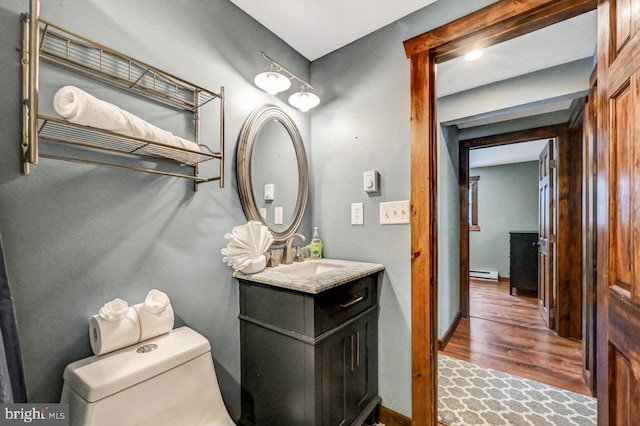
x=506, y=154
x=315, y=28
x=320, y=27
x=323, y=26
x=557, y=44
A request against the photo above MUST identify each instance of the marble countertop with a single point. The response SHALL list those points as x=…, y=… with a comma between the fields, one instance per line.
x=312, y=276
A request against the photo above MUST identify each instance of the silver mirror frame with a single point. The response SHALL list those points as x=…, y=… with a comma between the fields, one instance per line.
x=248, y=135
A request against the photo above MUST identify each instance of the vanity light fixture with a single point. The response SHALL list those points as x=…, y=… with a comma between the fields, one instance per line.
x=473, y=55
x=304, y=100
x=273, y=81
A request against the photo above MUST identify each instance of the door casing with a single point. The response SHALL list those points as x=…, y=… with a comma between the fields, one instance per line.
x=493, y=24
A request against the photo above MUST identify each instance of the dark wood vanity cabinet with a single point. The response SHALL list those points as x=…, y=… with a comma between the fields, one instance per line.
x=348, y=387
x=309, y=359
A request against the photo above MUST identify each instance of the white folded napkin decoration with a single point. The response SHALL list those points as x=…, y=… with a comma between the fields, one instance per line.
x=118, y=325
x=156, y=315
x=156, y=301
x=115, y=326
x=114, y=310
x=246, y=247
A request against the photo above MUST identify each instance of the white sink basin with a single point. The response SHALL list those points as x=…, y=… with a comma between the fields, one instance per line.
x=308, y=268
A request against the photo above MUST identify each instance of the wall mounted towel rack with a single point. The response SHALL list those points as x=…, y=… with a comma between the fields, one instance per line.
x=42, y=39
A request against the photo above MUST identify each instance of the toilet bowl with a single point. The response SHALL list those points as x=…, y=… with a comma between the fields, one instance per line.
x=166, y=381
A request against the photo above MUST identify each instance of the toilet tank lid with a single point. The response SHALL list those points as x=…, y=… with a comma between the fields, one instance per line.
x=97, y=377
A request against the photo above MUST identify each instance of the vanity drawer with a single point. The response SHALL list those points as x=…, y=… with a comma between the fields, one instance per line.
x=338, y=305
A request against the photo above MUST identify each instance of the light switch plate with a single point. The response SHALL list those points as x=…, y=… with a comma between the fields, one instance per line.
x=357, y=213
x=277, y=213
x=269, y=189
x=263, y=213
x=395, y=212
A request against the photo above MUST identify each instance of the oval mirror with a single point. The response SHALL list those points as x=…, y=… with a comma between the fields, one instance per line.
x=272, y=171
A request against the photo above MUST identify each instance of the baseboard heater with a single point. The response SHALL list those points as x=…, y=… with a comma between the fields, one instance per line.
x=487, y=275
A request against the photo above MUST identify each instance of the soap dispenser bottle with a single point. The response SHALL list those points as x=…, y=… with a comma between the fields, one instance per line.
x=316, y=245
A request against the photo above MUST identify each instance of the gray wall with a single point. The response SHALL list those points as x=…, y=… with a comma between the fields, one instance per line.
x=448, y=237
x=507, y=201
x=562, y=81
x=78, y=236
x=361, y=124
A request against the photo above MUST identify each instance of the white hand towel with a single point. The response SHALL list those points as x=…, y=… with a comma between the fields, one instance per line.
x=156, y=315
x=116, y=326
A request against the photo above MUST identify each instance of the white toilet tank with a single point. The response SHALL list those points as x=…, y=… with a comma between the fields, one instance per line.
x=166, y=381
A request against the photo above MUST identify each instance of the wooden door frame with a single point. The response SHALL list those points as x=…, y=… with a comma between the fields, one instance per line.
x=496, y=23
x=558, y=132
x=567, y=213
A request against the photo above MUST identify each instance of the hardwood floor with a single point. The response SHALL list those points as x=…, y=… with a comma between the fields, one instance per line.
x=507, y=333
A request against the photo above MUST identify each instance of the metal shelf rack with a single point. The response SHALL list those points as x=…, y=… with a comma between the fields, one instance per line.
x=45, y=40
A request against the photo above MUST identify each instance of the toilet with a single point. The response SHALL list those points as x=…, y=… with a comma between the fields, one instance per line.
x=165, y=381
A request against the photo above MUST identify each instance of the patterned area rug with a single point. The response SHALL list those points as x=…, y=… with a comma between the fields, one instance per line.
x=469, y=395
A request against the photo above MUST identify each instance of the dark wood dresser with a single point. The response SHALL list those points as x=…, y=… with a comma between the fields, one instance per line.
x=523, y=261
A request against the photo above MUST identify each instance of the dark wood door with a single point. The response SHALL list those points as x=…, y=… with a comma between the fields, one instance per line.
x=363, y=371
x=618, y=213
x=546, y=298
x=350, y=382
x=336, y=356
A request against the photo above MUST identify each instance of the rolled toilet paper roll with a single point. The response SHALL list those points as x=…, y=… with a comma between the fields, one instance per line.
x=108, y=336
x=153, y=324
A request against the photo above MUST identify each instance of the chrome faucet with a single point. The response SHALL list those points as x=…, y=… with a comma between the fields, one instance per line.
x=287, y=257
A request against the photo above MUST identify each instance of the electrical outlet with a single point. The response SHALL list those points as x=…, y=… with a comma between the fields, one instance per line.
x=277, y=215
x=357, y=213
x=395, y=212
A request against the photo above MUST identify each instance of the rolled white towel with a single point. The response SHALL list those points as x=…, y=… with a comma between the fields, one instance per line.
x=115, y=326
x=138, y=128
x=156, y=315
x=80, y=107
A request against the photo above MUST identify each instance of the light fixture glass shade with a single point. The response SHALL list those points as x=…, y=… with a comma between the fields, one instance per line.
x=304, y=100
x=272, y=82
x=473, y=55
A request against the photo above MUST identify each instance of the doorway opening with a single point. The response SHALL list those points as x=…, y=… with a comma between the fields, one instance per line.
x=510, y=323
x=493, y=24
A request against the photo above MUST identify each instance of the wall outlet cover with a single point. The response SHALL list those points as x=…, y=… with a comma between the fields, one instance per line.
x=357, y=213
x=278, y=216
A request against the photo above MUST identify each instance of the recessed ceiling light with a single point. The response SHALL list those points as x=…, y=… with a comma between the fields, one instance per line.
x=474, y=55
